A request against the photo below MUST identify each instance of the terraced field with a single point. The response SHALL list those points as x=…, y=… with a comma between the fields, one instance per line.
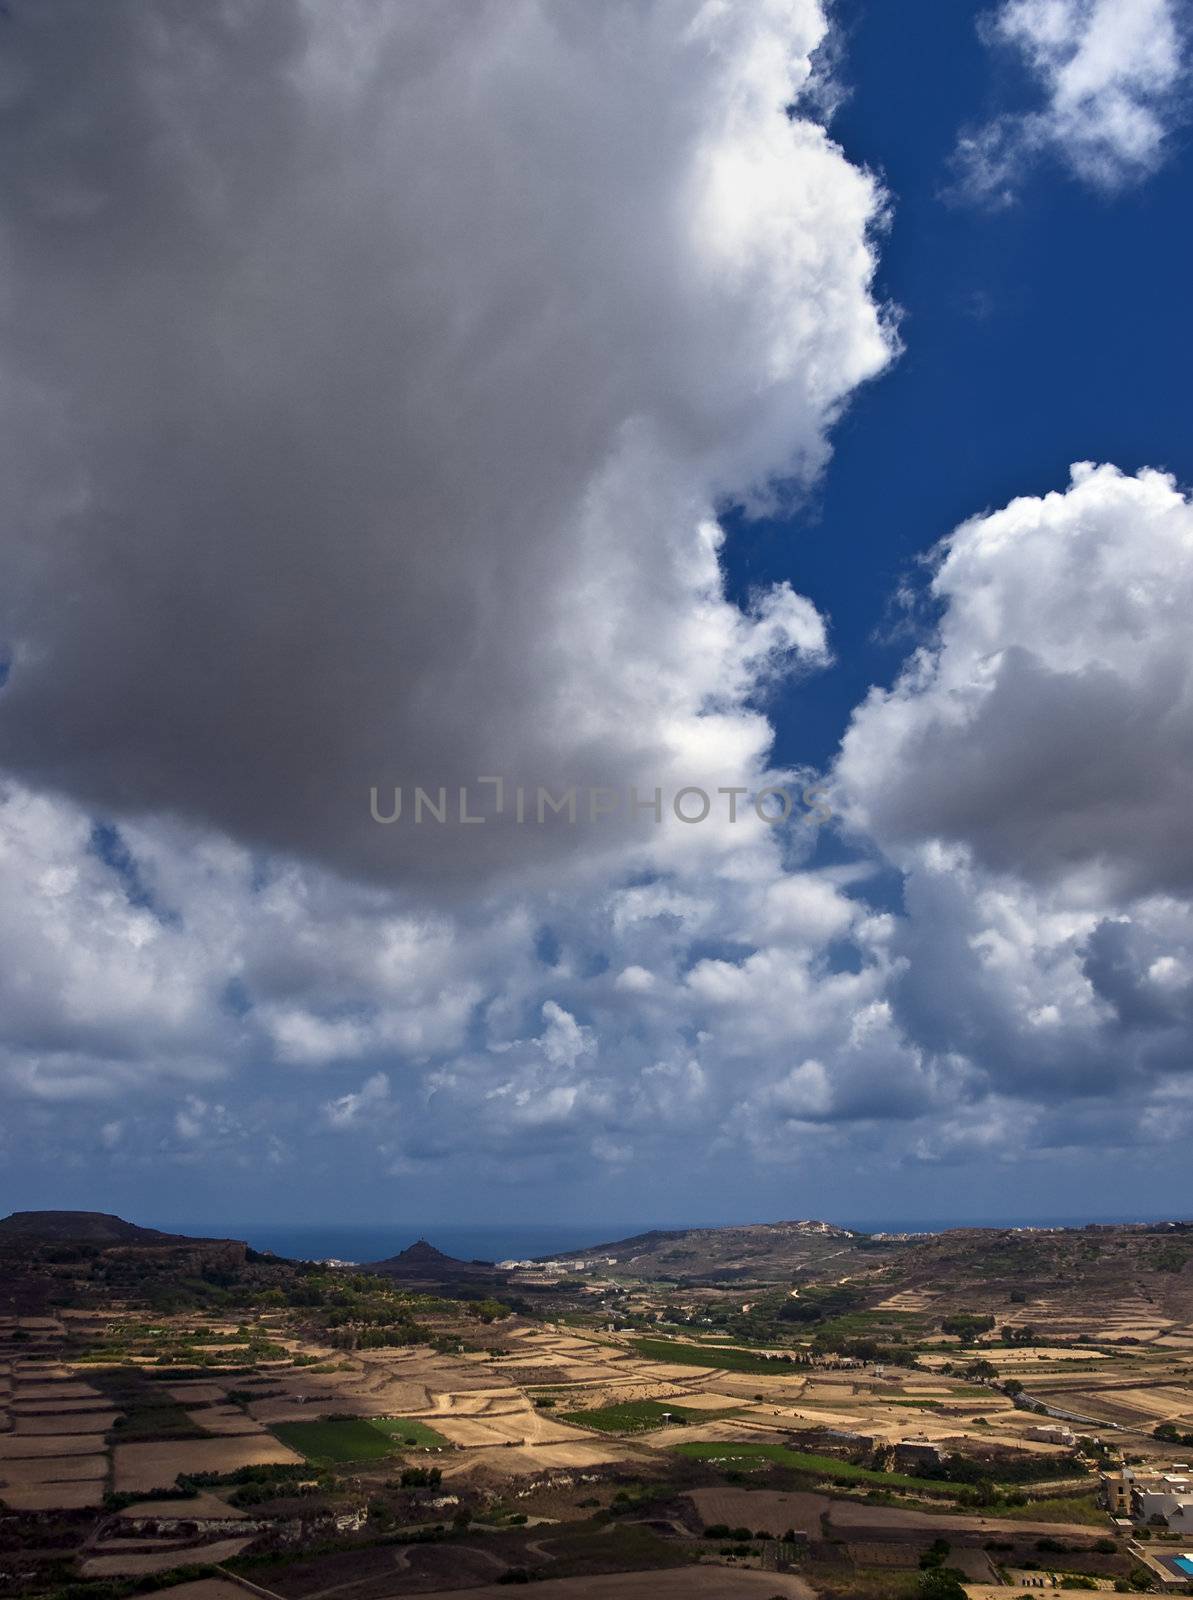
x=637, y=1416
x=828, y=1467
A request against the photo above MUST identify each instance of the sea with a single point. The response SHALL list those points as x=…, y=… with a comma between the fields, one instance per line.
x=528, y=1241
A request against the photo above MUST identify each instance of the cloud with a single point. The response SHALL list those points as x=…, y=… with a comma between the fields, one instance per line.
x=89, y=975
x=350, y=1110
x=373, y=376
x=373, y=383
x=1110, y=72
x=1029, y=773
x=1049, y=725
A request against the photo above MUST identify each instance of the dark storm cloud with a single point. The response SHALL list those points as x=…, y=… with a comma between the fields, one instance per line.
x=369, y=373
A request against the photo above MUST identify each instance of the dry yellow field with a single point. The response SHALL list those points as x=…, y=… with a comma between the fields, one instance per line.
x=52, y=1469
x=515, y=1461
x=80, y=1405
x=62, y=1422
x=57, y=1391
x=224, y=1420
x=17, y=1447
x=201, y=1507
x=133, y=1563
x=208, y=1589
x=145, y=1467
x=196, y=1392
x=53, y=1496
x=710, y=1400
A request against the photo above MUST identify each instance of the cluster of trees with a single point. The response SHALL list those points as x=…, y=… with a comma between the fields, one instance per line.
x=387, y=1338
x=420, y=1478
x=818, y=1302
x=486, y=1310
x=967, y=1325
x=938, y=1581
x=722, y=1530
x=253, y=1485
x=861, y=1348
x=1018, y=1335
x=1169, y=1433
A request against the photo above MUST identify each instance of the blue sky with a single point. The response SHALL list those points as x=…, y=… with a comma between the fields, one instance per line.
x=535, y=396
x=1035, y=335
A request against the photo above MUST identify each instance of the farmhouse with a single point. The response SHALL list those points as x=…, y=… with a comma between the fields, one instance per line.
x=1116, y=1493
x=1145, y=1495
x=912, y=1453
x=1053, y=1433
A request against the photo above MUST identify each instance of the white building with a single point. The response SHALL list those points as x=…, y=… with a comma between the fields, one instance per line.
x=1162, y=1494
x=1053, y=1433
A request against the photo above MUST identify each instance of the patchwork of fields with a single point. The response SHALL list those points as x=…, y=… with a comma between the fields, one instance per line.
x=546, y=1404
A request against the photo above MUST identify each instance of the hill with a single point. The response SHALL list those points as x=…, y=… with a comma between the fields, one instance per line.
x=35, y=1244
x=422, y=1263
x=760, y=1251
x=83, y=1227
x=1140, y=1275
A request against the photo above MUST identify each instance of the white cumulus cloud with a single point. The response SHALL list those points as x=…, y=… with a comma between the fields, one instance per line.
x=1109, y=72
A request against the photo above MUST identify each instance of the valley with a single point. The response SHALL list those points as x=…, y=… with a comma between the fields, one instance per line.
x=788, y=1405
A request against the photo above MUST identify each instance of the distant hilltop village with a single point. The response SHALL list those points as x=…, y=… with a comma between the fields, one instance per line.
x=582, y=1264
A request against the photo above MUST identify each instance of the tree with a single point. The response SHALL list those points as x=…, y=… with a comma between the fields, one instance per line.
x=933, y=1556
x=942, y=1583
x=1024, y=1335
x=1169, y=1433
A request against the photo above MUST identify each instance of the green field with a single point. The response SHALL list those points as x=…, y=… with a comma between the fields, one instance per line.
x=1068, y=1508
x=336, y=1441
x=636, y=1416
x=822, y=1466
x=405, y=1429
x=361, y=1439
x=728, y=1358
